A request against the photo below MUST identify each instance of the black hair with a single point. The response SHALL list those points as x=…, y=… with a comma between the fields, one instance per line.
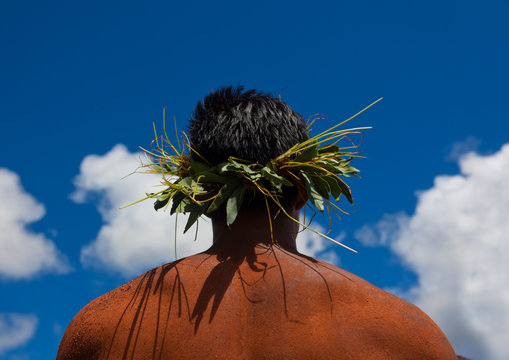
x=249, y=125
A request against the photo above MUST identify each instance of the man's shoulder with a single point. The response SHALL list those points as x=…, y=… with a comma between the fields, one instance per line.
x=86, y=335
x=93, y=330
x=368, y=315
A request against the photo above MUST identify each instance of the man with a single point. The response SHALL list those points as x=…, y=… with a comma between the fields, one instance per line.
x=248, y=296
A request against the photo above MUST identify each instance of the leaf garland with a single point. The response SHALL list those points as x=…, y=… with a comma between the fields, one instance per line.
x=196, y=187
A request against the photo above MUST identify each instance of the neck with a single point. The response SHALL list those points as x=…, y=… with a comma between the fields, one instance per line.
x=252, y=229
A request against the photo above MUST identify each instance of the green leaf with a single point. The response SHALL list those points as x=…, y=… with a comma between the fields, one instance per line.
x=246, y=169
x=162, y=196
x=307, y=168
x=322, y=187
x=211, y=177
x=328, y=149
x=271, y=165
x=185, y=205
x=228, y=167
x=255, y=176
x=198, y=166
x=350, y=170
x=177, y=198
x=224, y=193
x=345, y=189
x=161, y=200
x=345, y=168
x=313, y=193
x=275, y=180
x=194, y=214
x=308, y=154
x=197, y=189
x=185, y=182
x=234, y=203
x=334, y=187
x=329, y=165
x=233, y=166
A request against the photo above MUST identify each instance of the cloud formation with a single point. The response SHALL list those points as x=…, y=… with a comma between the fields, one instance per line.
x=137, y=238
x=460, y=148
x=23, y=253
x=311, y=244
x=457, y=243
x=16, y=330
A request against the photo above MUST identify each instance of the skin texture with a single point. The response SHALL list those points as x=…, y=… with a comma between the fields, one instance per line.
x=249, y=299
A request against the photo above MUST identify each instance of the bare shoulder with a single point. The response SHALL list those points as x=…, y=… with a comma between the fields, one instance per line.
x=382, y=321
x=96, y=331
x=86, y=335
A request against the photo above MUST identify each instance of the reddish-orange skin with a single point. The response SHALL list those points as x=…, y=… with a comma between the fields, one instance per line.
x=266, y=303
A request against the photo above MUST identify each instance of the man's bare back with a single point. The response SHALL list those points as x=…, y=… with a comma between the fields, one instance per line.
x=264, y=303
x=246, y=297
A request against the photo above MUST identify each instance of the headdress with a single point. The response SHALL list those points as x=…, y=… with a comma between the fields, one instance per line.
x=191, y=185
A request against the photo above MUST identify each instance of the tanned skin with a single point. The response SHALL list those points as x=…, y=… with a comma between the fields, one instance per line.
x=247, y=298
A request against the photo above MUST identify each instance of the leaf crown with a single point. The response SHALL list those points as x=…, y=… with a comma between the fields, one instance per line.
x=196, y=187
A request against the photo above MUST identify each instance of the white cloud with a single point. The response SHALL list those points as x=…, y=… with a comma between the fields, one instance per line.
x=460, y=148
x=23, y=253
x=383, y=231
x=314, y=245
x=137, y=238
x=457, y=243
x=16, y=330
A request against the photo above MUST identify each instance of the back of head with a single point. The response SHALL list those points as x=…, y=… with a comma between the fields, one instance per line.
x=249, y=125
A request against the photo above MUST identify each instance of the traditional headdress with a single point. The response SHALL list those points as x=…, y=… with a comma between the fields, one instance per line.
x=196, y=187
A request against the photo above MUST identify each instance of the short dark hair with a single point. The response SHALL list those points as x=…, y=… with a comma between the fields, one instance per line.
x=249, y=125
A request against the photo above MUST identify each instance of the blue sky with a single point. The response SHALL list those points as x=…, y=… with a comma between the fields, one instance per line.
x=79, y=80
